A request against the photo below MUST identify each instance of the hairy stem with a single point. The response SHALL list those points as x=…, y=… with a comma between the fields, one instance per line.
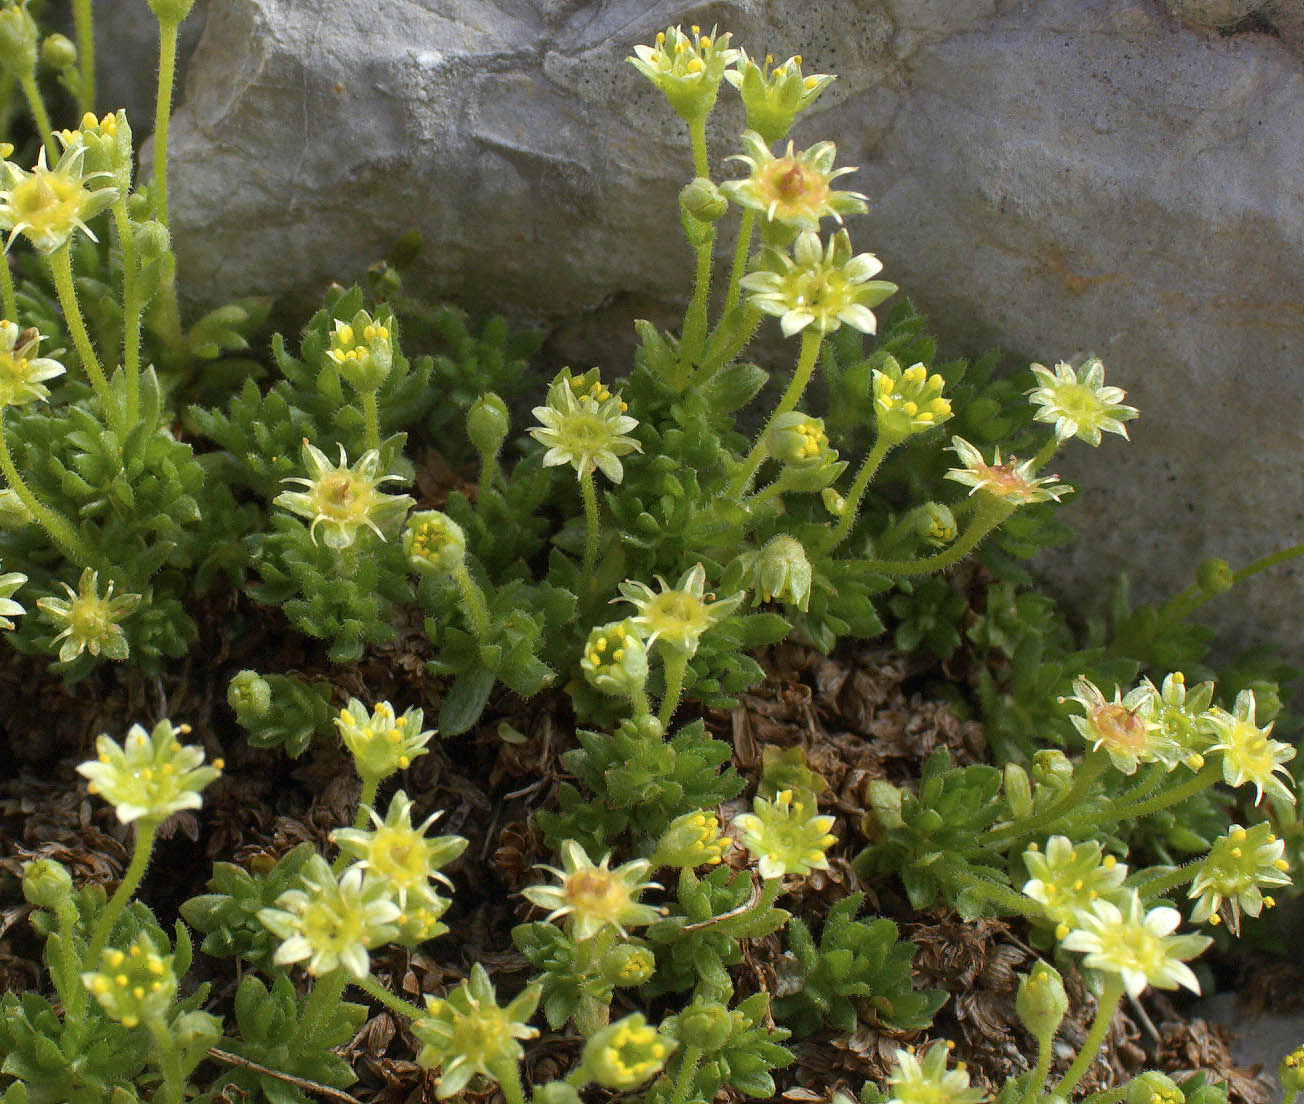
x=167, y=74
x=59, y=527
x=591, y=529
x=473, y=598
x=131, y=309
x=371, y=412
x=676, y=665
x=169, y=1060
x=85, y=31
x=1161, y=884
x=990, y=513
x=694, y=337
x=697, y=136
x=1109, y=998
x=145, y=830
x=742, y=249
x=810, y=348
x=60, y=263
x=373, y=988
x=40, y=115
x=852, y=506
x=1135, y=810
x=1092, y=767
x=953, y=871
x=7, y=295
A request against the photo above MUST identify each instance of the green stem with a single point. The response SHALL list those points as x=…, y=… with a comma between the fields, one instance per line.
x=37, y=104
x=71, y=990
x=473, y=597
x=10, y=299
x=371, y=412
x=167, y=72
x=990, y=513
x=1271, y=560
x=694, y=337
x=317, y=1009
x=1161, y=884
x=676, y=664
x=169, y=1060
x=131, y=309
x=1105, y=1010
x=490, y=473
x=60, y=263
x=724, y=347
x=697, y=136
x=692, y=1055
x=1037, y=1079
x=642, y=707
x=881, y=448
x=1092, y=767
x=1135, y=810
x=742, y=250
x=508, y=1076
x=953, y=872
x=370, y=783
x=82, y=20
x=1045, y=453
x=59, y=527
x=591, y=529
x=373, y=988
x=1109, y=1096
x=1186, y=602
x=810, y=348
x=145, y=830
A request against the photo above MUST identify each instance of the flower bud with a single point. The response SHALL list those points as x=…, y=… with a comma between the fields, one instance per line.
x=1153, y=1087
x=46, y=882
x=703, y=200
x=1051, y=767
x=434, y=543
x=627, y=965
x=705, y=1025
x=58, y=52
x=250, y=696
x=1291, y=1072
x=883, y=801
x=907, y=402
x=1214, y=576
x=692, y=840
x=783, y=573
x=1018, y=791
x=152, y=239
x=1041, y=1002
x=615, y=659
x=794, y=438
x=625, y=1054
x=13, y=513
x=487, y=423
x=135, y=985
x=18, y=40
x=834, y=503
x=171, y=11
x=362, y=350
x=772, y=98
x=934, y=522
x=139, y=204
x=555, y=1092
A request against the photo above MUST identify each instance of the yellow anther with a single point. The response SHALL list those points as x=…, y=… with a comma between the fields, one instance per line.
x=102, y=757
x=138, y=992
x=220, y=764
x=400, y=722
x=1079, y=885
x=115, y=959
x=1281, y=864
x=1061, y=930
x=1215, y=919
x=926, y=416
x=100, y=984
x=1237, y=835
x=121, y=981
x=155, y=986
x=1269, y=902
x=618, y=655
x=1109, y=862
x=174, y=747
x=694, y=66
x=1236, y=852
x=404, y=762
x=706, y=44
x=810, y=82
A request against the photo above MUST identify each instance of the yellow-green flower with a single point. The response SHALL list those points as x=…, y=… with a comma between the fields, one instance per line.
x=342, y=499
x=433, y=543
x=796, y=438
x=691, y=840
x=623, y=1055
x=151, y=775
x=1237, y=868
x=362, y=350
x=1136, y=945
x=586, y=430
x=134, y=985
x=1077, y=403
x=908, y=402
x=786, y=835
x=1182, y=716
x=1069, y=877
x=783, y=573
x=773, y=98
x=47, y=205
x=820, y=286
x=677, y=616
x=10, y=581
x=468, y=1033
x=688, y=68
x=1124, y=727
x=795, y=189
x=381, y=742
x=1011, y=481
x=1248, y=754
x=108, y=142
x=593, y=896
x=929, y=1081
x=331, y=923
x=90, y=622
x=615, y=659
x=398, y=855
x=22, y=372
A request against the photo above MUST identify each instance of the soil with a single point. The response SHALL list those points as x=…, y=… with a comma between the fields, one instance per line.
x=859, y=714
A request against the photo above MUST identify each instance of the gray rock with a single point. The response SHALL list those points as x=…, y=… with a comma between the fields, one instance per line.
x=1056, y=177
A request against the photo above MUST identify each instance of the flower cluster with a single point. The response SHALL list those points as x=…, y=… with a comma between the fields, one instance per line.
x=688, y=68
x=909, y=403
x=381, y=742
x=134, y=985
x=1068, y=878
x=773, y=97
x=362, y=351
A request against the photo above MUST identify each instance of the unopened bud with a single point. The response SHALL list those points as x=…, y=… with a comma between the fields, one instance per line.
x=18, y=40
x=1051, y=767
x=171, y=11
x=705, y=1025
x=434, y=543
x=1153, y=1087
x=250, y=696
x=1041, y=1002
x=1214, y=576
x=487, y=423
x=1291, y=1072
x=46, y=882
x=58, y=52
x=627, y=965
x=625, y=1054
x=883, y=802
x=152, y=239
x=1018, y=791
x=703, y=200
x=783, y=573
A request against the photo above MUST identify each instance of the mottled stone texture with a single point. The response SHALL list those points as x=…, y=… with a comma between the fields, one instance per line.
x=1055, y=176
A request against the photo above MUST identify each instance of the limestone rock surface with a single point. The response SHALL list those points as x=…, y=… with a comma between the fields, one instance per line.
x=1123, y=177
